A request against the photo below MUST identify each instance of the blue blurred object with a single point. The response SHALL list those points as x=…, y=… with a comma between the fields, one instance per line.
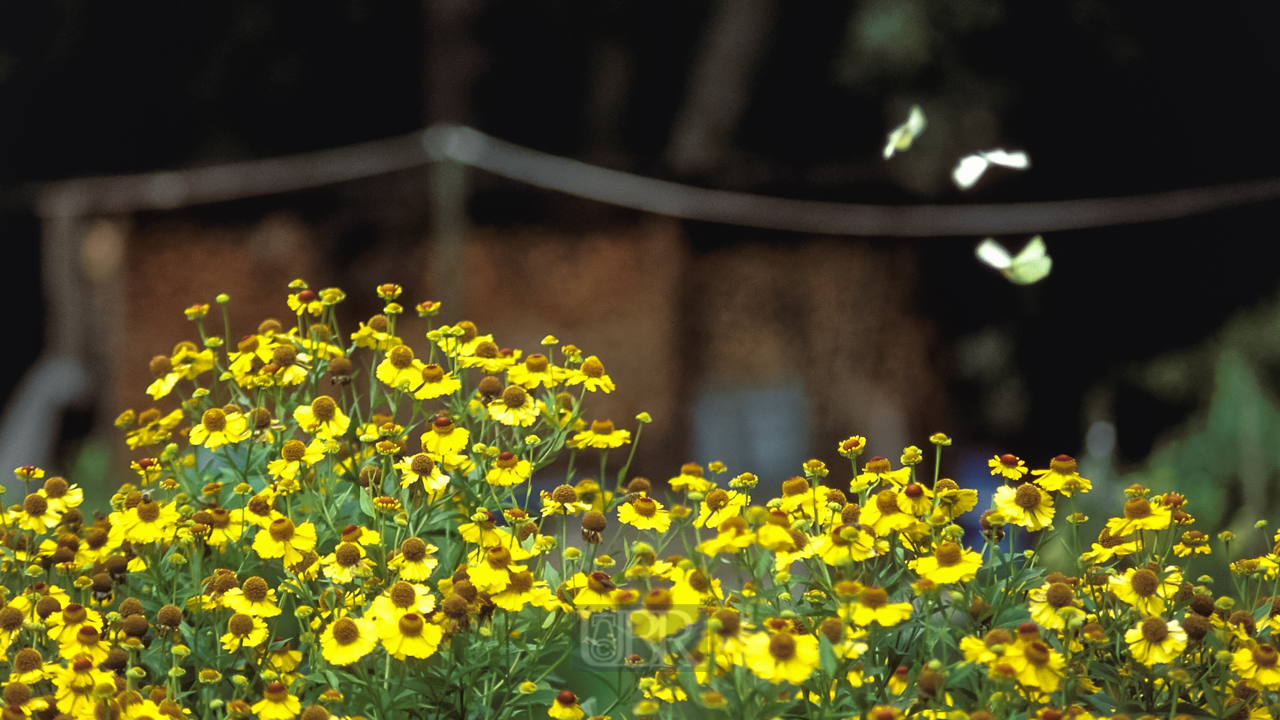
x=760, y=430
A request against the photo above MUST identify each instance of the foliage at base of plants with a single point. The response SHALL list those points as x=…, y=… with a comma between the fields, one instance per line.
x=331, y=525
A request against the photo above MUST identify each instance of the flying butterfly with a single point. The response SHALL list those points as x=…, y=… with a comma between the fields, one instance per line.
x=902, y=136
x=971, y=168
x=1031, y=265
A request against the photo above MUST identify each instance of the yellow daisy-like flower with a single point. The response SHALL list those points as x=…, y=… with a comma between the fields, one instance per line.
x=346, y=563
x=844, y=544
x=602, y=435
x=591, y=376
x=254, y=598
x=87, y=641
x=491, y=569
x=1027, y=506
x=733, y=535
x=873, y=606
x=508, y=470
x=283, y=539
x=782, y=657
x=35, y=515
x=565, y=707
x=489, y=358
x=1062, y=477
x=218, y=428
x=244, y=631
x=400, y=369
x=348, y=639
x=1155, y=641
x=952, y=500
x=436, y=383
x=305, y=301
x=889, y=512
x=410, y=635
x=718, y=506
x=1193, y=542
x=416, y=560
x=74, y=686
x=982, y=650
x=374, y=334
x=294, y=456
x=153, y=428
x=534, y=371
x=400, y=599
x=1108, y=548
x=444, y=438
x=150, y=522
x=1010, y=466
x=690, y=479
x=61, y=495
x=1046, y=601
x=1144, y=590
x=661, y=617
x=876, y=471
x=1257, y=665
x=595, y=592
x=422, y=468
x=464, y=344
x=645, y=513
x=1036, y=665
x=949, y=564
x=277, y=704
x=322, y=418
x=1141, y=514
x=514, y=407
x=64, y=625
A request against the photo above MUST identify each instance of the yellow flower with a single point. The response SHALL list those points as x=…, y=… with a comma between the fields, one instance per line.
x=1257, y=665
x=305, y=301
x=954, y=501
x=733, y=535
x=1144, y=590
x=514, y=407
x=718, y=506
x=400, y=369
x=374, y=334
x=436, y=383
x=949, y=564
x=255, y=598
x=873, y=606
x=782, y=656
x=35, y=515
x=75, y=684
x=244, y=631
x=491, y=569
x=489, y=358
x=876, y=471
x=1028, y=506
x=1062, y=477
x=149, y=522
x=1010, y=466
x=444, y=438
x=346, y=563
x=661, y=617
x=415, y=561
x=410, y=635
x=508, y=470
x=283, y=539
x=87, y=641
x=1109, y=547
x=400, y=599
x=565, y=707
x=294, y=456
x=422, y=468
x=844, y=544
x=890, y=512
x=646, y=514
x=1036, y=664
x=852, y=447
x=591, y=376
x=602, y=435
x=1155, y=641
x=983, y=650
x=322, y=418
x=1193, y=542
x=153, y=428
x=218, y=428
x=347, y=639
x=1046, y=601
x=690, y=479
x=595, y=591
x=64, y=625
x=1141, y=514
x=61, y=495
x=534, y=371
x=277, y=704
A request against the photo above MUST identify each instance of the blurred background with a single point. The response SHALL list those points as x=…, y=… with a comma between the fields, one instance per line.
x=1151, y=353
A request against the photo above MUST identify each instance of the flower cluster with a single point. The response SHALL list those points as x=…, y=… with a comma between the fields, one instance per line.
x=326, y=525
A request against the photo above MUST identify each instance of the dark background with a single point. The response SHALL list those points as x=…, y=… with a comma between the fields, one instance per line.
x=1108, y=99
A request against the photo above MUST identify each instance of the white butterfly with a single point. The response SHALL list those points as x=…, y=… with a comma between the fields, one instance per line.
x=971, y=167
x=1030, y=266
x=902, y=136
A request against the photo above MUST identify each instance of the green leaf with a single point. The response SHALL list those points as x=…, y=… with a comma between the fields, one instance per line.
x=827, y=655
x=366, y=504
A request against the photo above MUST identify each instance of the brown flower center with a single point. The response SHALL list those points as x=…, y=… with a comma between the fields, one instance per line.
x=782, y=646
x=913, y=491
x=1027, y=497
x=1063, y=465
x=564, y=495
x=521, y=582
x=948, y=554
x=324, y=409
x=423, y=465
x=411, y=625
x=433, y=374
x=55, y=487
x=345, y=631
x=997, y=636
x=255, y=589
x=1137, y=509
x=401, y=357
x=1008, y=460
x=284, y=355
x=877, y=465
x=1144, y=583
x=691, y=469
x=293, y=451
x=413, y=549
x=378, y=323
x=874, y=597
x=730, y=622
x=602, y=427
x=498, y=557
x=514, y=397
x=645, y=507
x=1265, y=656
x=35, y=505
x=658, y=601
x=506, y=461
x=887, y=502
x=1155, y=630
x=240, y=624
x=486, y=350
x=282, y=530
x=214, y=420
x=1058, y=595
x=27, y=659
x=717, y=499
x=593, y=368
x=795, y=486
x=403, y=595
x=469, y=331
x=347, y=554
x=1037, y=653
x=1107, y=540
x=148, y=511
x=536, y=363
